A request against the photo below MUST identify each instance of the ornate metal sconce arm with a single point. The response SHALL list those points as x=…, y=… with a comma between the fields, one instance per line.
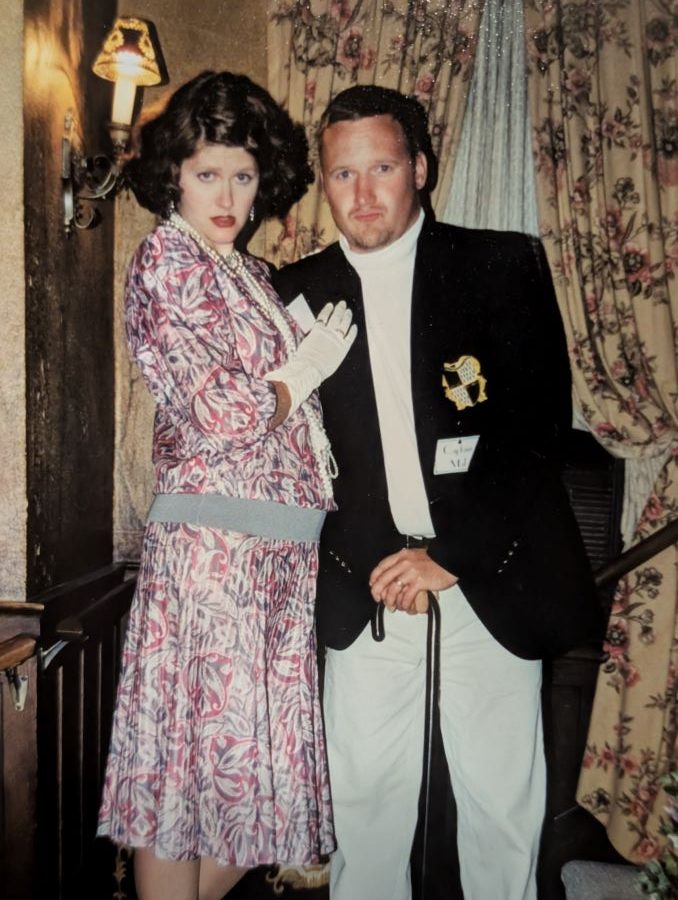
x=84, y=178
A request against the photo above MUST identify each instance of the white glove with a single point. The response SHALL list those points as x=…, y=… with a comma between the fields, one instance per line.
x=319, y=354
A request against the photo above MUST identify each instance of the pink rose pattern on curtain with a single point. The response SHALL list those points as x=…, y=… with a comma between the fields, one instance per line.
x=317, y=48
x=604, y=106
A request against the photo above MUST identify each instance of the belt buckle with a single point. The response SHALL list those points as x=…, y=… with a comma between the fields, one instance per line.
x=416, y=543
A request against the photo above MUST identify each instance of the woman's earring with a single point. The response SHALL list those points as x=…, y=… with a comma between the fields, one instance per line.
x=251, y=215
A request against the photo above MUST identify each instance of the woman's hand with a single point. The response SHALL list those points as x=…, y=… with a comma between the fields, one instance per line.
x=319, y=354
x=282, y=407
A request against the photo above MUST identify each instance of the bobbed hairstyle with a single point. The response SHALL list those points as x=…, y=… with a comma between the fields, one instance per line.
x=221, y=108
x=365, y=100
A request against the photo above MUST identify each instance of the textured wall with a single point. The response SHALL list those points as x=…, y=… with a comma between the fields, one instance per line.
x=69, y=296
x=225, y=35
x=12, y=359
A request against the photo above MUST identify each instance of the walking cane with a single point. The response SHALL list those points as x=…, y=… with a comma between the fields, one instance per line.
x=431, y=700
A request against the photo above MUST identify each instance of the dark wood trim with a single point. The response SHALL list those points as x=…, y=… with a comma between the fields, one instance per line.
x=637, y=555
x=15, y=651
x=20, y=606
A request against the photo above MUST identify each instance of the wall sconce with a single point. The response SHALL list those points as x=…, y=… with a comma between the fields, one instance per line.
x=130, y=57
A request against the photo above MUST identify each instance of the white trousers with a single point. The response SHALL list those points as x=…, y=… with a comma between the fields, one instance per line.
x=492, y=734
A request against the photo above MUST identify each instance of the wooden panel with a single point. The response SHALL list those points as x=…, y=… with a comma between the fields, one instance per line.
x=16, y=650
x=50, y=780
x=71, y=663
x=71, y=598
x=76, y=699
x=595, y=483
x=69, y=306
x=18, y=791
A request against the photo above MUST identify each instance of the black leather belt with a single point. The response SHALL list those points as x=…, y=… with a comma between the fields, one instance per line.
x=416, y=543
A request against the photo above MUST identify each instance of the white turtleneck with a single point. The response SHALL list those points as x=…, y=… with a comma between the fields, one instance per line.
x=386, y=276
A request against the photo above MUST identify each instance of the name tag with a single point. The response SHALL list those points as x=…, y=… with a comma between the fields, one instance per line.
x=454, y=454
x=301, y=313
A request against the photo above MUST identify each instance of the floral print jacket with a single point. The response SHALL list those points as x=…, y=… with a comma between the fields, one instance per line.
x=203, y=347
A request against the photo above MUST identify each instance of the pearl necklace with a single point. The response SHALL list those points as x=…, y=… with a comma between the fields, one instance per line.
x=234, y=264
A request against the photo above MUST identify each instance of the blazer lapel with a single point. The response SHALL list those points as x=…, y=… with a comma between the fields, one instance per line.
x=432, y=295
x=353, y=398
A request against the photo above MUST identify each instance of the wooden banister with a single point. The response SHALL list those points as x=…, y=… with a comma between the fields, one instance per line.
x=113, y=605
x=16, y=650
x=637, y=555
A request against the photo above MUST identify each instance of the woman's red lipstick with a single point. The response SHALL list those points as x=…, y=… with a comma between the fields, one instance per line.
x=223, y=221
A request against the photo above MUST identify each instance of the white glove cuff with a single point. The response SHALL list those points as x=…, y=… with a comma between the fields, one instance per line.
x=301, y=380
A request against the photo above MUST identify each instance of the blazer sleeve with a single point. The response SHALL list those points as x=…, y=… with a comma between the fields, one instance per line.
x=194, y=363
x=532, y=387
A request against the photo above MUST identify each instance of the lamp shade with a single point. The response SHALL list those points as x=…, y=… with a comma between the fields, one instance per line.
x=128, y=53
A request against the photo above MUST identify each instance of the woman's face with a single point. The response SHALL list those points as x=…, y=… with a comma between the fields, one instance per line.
x=218, y=185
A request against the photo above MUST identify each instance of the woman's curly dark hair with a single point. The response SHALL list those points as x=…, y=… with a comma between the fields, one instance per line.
x=221, y=108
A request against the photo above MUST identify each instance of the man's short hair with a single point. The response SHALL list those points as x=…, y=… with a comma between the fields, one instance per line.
x=365, y=100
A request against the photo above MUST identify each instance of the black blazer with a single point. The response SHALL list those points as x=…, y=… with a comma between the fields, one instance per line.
x=504, y=527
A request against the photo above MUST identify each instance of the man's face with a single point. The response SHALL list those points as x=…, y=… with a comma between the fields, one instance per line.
x=370, y=181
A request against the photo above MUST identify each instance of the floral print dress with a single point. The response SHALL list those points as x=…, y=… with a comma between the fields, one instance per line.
x=217, y=747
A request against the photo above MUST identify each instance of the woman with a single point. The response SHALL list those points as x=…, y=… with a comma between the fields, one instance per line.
x=217, y=758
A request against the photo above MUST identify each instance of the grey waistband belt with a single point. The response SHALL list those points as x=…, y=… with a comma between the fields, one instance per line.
x=263, y=518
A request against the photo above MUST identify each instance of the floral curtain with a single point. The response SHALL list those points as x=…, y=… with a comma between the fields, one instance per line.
x=316, y=48
x=604, y=103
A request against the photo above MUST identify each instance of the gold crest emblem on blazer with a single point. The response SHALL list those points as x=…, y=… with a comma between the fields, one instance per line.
x=463, y=382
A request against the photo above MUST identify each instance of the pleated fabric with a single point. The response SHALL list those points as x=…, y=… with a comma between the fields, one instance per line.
x=217, y=747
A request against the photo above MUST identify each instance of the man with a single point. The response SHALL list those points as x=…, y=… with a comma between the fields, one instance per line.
x=445, y=421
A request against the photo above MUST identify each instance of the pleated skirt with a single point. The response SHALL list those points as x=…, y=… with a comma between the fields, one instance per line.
x=217, y=748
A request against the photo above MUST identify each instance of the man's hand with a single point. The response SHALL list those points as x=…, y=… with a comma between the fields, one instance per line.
x=399, y=578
